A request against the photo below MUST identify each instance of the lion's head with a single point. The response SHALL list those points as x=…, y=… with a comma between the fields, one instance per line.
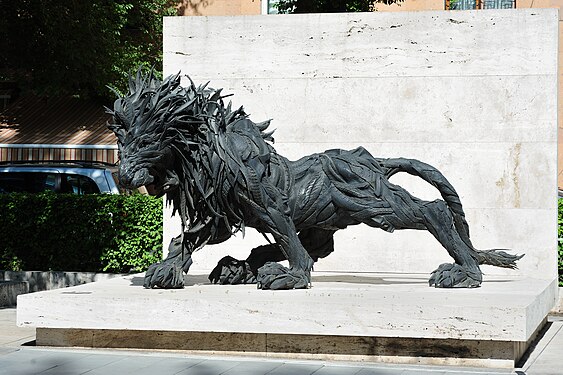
x=155, y=123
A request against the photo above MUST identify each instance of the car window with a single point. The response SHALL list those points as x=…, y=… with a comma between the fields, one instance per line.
x=76, y=184
x=31, y=182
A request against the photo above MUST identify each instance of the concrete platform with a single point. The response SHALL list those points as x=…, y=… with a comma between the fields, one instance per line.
x=383, y=317
x=10, y=290
x=46, y=280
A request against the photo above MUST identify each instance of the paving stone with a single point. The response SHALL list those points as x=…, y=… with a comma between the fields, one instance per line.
x=337, y=370
x=168, y=366
x=10, y=334
x=550, y=360
x=293, y=369
x=32, y=362
x=253, y=368
x=380, y=371
x=23, y=356
x=210, y=367
x=78, y=364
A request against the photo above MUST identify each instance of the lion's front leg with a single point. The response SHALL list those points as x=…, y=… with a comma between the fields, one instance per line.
x=169, y=274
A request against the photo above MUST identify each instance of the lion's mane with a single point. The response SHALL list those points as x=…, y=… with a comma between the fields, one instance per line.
x=191, y=122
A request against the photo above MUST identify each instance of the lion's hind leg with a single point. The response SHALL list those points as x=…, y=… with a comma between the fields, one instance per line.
x=465, y=272
x=436, y=217
x=274, y=276
x=233, y=271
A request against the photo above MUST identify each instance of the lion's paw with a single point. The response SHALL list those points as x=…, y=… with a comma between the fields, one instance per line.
x=232, y=271
x=452, y=275
x=275, y=276
x=164, y=275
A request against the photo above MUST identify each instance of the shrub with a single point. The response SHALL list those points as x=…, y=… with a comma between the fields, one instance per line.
x=93, y=233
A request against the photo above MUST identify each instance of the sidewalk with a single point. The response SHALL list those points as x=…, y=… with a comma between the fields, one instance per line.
x=15, y=359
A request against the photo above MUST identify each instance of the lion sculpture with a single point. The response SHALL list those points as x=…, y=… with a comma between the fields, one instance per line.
x=221, y=174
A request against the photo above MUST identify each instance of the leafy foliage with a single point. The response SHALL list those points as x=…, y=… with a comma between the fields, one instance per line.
x=329, y=6
x=560, y=241
x=47, y=231
x=61, y=47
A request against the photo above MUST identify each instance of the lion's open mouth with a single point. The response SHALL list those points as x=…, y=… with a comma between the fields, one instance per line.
x=152, y=189
x=158, y=187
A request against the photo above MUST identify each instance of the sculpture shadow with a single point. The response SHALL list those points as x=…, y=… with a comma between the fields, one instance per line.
x=369, y=280
x=191, y=280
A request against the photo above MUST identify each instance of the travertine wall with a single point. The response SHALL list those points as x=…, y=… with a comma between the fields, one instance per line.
x=473, y=93
x=411, y=5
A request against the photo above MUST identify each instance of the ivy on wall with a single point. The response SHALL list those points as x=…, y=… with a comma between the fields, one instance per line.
x=90, y=233
x=560, y=241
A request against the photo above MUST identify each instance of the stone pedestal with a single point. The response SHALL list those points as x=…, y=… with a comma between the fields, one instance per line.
x=355, y=316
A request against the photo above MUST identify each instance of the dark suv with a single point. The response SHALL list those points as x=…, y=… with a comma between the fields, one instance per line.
x=74, y=177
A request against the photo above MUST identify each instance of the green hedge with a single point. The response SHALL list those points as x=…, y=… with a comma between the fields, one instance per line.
x=560, y=241
x=90, y=233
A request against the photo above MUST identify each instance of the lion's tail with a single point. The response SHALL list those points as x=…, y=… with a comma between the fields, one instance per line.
x=498, y=258
x=494, y=257
x=435, y=178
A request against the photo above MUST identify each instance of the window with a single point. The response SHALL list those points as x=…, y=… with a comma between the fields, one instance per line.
x=37, y=182
x=77, y=184
x=479, y=4
x=19, y=182
x=269, y=7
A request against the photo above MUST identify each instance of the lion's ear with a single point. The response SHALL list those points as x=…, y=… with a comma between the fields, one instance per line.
x=117, y=125
x=118, y=130
x=121, y=112
x=120, y=134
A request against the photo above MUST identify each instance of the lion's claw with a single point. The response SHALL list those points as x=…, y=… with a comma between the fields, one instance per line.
x=164, y=275
x=452, y=275
x=232, y=271
x=275, y=276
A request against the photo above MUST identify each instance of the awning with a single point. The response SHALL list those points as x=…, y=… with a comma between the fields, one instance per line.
x=34, y=128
